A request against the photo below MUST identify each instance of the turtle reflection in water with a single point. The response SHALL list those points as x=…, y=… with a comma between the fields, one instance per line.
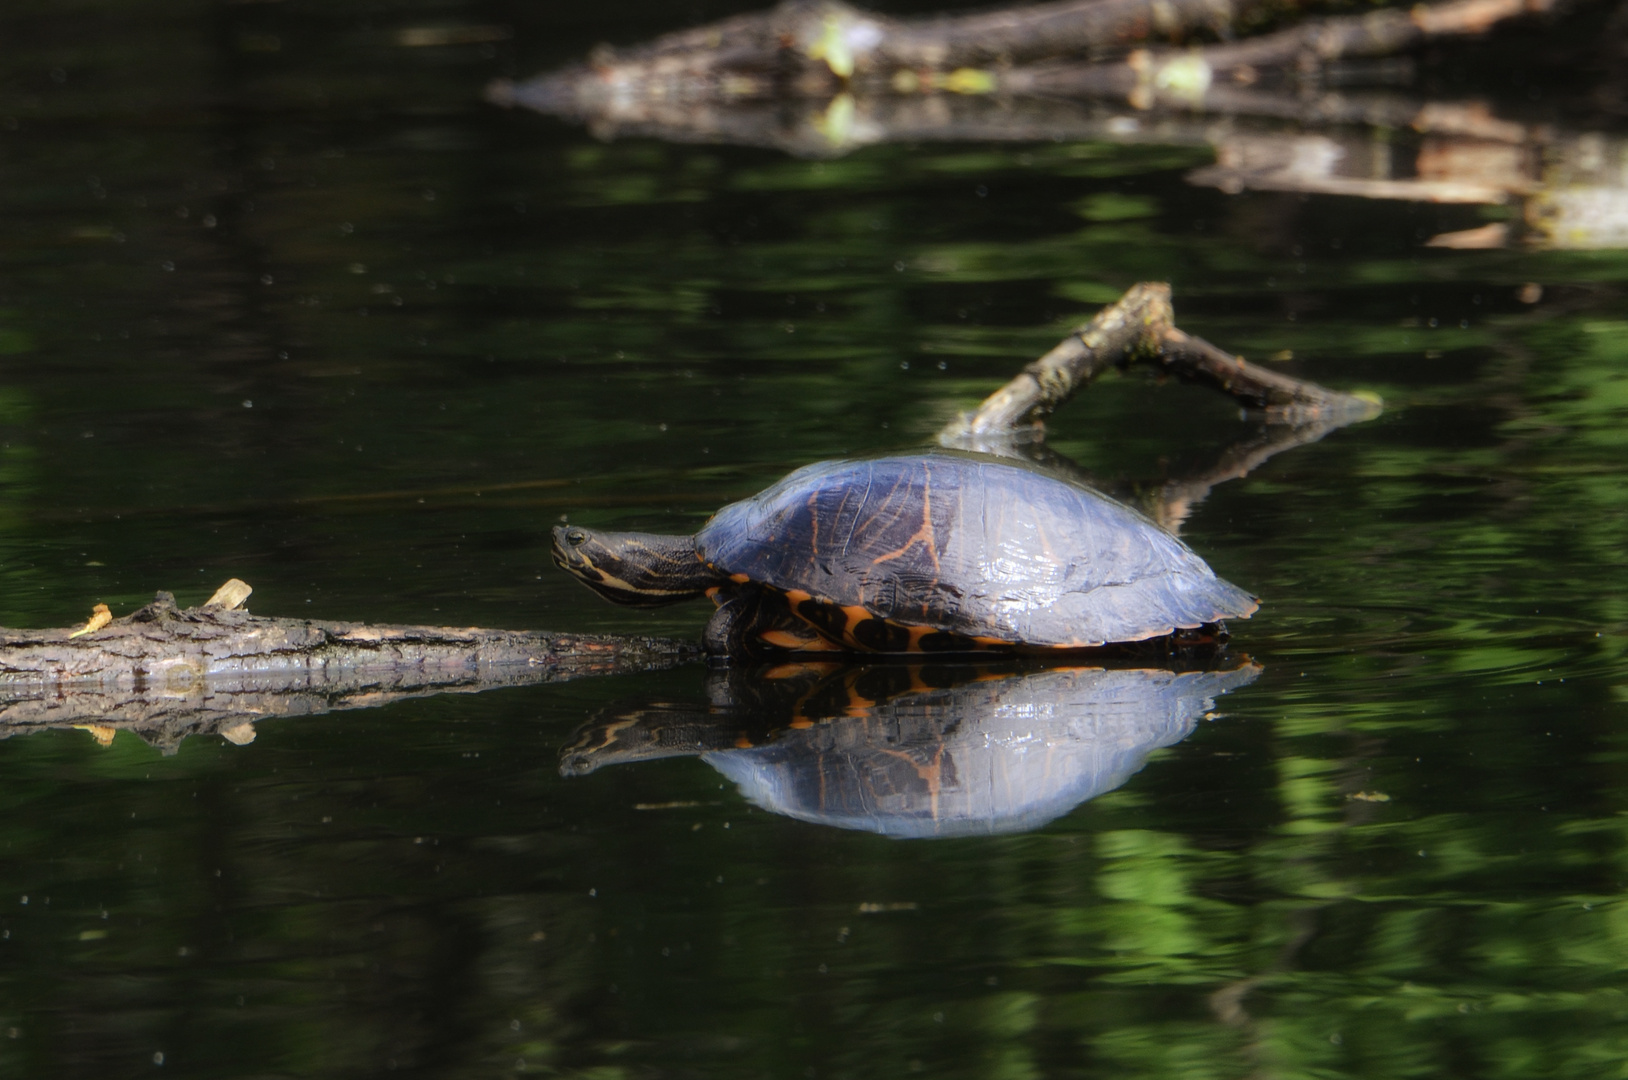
x=934, y=552
x=918, y=750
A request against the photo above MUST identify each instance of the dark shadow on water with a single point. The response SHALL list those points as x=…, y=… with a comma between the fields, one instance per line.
x=912, y=750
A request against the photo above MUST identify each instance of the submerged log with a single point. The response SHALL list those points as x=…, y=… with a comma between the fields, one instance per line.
x=167, y=672
x=162, y=645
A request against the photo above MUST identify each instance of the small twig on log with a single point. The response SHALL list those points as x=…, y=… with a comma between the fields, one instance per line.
x=1140, y=328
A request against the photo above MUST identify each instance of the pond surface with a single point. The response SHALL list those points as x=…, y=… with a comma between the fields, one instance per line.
x=282, y=298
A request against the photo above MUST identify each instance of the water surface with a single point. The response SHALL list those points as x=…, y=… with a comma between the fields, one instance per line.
x=281, y=298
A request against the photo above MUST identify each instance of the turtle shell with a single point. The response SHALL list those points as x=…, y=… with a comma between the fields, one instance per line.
x=937, y=550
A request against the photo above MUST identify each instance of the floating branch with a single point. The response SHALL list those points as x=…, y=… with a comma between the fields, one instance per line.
x=1140, y=328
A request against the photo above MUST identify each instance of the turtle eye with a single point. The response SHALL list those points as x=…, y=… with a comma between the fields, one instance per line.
x=575, y=537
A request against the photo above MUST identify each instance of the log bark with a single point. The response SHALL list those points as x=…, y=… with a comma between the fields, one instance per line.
x=161, y=644
x=1026, y=32
x=166, y=672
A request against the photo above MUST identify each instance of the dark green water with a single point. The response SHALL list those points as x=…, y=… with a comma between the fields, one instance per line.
x=284, y=300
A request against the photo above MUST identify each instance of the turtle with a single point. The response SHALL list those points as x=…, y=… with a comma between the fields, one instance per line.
x=938, y=552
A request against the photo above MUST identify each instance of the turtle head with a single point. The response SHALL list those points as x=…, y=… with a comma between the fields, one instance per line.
x=636, y=569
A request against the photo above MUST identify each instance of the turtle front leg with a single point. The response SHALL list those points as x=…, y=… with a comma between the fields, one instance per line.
x=753, y=623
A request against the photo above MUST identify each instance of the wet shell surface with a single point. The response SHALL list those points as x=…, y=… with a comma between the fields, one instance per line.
x=973, y=547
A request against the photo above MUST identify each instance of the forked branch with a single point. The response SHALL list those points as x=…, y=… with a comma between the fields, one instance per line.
x=1140, y=328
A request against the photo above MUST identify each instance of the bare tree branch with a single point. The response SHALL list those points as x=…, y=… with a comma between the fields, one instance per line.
x=1127, y=328
x=1140, y=328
